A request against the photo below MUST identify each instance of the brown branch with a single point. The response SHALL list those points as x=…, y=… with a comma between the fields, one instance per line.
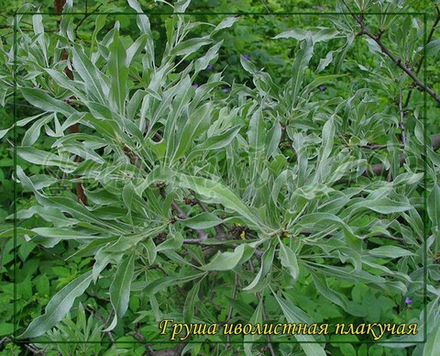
x=378, y=169
x=212, y=250
x=132, y=156
x=34, y=349
x=182, y=215
x=374, y=147
x=402, y=66
x=218, y=230
x=379, y=236
x=397, y=61
x=382, y=236
x=59, y=5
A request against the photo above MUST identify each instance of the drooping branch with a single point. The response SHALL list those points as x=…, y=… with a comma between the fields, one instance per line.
x=397, y=61
x=406, y=68
x=378, y=169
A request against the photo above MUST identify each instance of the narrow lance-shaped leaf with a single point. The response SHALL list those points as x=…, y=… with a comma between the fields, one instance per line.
x=190, y=46
x=191, y=126
x=215, y=192
x=202, y=221
x=92, y=77
x=301, y=62
x=33, y=133
x=225, y=261
x=433, y=342
x=191, y=298
x=210, y=55
x=382, y=206
x=120, y=289
x=65, y=234
x=288, y=260
x=390, y=252
x=256, y=318
x=142, y=20
x=257, y=138
x=75, y=87
x=44, y=101
x=328, y=134
x=215, y=142
x=323, y=288
x=266, y=266
x=181, y=5
x=58, y=307
x=162, y=283
x=41, y=157
x=226, y=23
x=118, y=72
x=434, y=206
x=4, y=132
x=144, y=25
x=273, y=140
x=322, y=34
x=135, y=49
x=37, y=22
x=292, y=316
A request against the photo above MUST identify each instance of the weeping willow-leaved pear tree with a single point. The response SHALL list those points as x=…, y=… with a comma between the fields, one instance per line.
x=258, y=203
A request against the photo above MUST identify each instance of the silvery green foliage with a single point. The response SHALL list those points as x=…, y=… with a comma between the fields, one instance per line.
x=277, y=191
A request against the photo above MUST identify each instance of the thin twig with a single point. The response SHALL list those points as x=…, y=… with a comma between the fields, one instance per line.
x=405, y=67
x=422, y=58
x=182, y=215
x=375, y=147
x=86, y=16
x=102, y=320
x=402, y=118
x=381, y=236
x=219, y=232
x=378, y=169
x=202, y=238
x=41, y=247
x=34, y=349
x=24, y=22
